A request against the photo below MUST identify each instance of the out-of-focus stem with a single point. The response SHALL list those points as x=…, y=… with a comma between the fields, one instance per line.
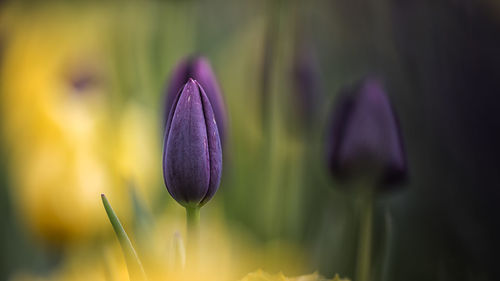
x=177, y=254
x=389, y=229
x=268, y=64
x=365, y=237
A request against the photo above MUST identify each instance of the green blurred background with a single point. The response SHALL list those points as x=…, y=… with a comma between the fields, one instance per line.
x=82, y=88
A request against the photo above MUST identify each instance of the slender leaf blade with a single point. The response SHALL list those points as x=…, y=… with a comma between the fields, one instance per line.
x=134, y=265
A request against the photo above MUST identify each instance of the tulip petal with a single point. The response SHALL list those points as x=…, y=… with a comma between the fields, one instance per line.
x=186, y=155
x=214, y=147
x=199, y=69
x=203, y=73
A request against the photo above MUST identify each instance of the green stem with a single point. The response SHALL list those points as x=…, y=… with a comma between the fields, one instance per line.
x=193, y=221
x=365, y=238
x=134, y=266
x=193, y=228
x=389, y=229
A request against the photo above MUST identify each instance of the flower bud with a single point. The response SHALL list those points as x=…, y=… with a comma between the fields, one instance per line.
x=199, y=69
x=192, y=155
x=365, y=140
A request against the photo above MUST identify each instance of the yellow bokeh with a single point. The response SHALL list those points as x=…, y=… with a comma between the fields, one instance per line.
x=60, y=127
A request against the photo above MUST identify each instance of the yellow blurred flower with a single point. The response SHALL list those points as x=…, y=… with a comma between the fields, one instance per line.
x=263, y=276
x=61, y=129
x=224, y=255
x=107, y=265
x=138, y=148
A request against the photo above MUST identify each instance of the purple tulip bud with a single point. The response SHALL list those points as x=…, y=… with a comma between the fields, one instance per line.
x=365, y=139
x=199, y=69
x=192, y=155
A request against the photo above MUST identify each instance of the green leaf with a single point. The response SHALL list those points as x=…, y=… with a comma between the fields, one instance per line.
x=134, y=265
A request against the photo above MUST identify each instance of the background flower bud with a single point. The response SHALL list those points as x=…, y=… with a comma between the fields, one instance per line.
x=365, y=139
x=192, y=157
x=306, y=83
x=199, y=69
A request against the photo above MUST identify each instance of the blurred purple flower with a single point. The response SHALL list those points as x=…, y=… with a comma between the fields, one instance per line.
x=83, y=75
x=83, y=81
x=198, y=68
x=192, y=155
x=365, y=139
x=306, y=83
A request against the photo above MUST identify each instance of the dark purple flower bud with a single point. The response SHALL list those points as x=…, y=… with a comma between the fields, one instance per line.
x=198, y=68
x=365, y=140
x=192, y=153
